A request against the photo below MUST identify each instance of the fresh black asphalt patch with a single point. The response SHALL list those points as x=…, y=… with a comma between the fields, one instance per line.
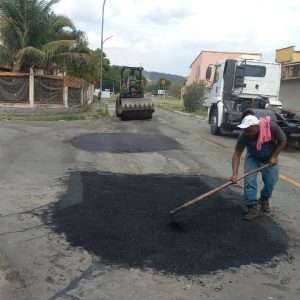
x=124, y=220
x=124, y=142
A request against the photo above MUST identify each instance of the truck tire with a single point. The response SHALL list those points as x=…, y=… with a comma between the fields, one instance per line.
x=214, y=128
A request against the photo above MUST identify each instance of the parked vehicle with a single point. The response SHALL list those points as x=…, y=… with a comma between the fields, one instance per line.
x=240, y=85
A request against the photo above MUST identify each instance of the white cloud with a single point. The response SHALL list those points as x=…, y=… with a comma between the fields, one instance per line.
x=167, y=35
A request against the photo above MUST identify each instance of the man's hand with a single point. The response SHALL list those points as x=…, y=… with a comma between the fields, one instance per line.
x=234, y=178
x=273, y=160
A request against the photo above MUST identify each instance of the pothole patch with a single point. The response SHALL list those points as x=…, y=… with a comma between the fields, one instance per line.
x=123, y=219
x=124, y=142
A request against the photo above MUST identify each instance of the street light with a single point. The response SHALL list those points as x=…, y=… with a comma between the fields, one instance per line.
x=108, y=38
x=102, y=42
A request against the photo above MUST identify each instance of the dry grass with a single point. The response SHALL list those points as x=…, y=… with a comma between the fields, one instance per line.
x=91, y=112
x=173, y=104
x=168, y=103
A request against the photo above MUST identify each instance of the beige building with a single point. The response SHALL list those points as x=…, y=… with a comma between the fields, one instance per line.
x=205, y=58
x=289, y=59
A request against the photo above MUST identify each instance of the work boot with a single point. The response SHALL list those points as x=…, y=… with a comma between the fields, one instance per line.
x=265, y=205
x=252, y=213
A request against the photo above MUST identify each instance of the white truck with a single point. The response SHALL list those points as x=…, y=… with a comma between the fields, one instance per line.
x=240, y=85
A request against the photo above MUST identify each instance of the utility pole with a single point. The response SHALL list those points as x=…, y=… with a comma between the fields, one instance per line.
x=102, y=42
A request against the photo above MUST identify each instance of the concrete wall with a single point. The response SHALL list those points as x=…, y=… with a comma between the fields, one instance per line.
x=296, y=56
x=285, y=54
x=290, y=94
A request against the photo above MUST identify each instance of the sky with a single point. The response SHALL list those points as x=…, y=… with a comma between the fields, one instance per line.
x=166, y=35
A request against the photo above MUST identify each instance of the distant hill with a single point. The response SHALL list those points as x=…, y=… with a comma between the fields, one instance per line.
x=155, y=76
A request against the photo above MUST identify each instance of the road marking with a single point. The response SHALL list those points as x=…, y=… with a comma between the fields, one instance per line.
x=290, y=180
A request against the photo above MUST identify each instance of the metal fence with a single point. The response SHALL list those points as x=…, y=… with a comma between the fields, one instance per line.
x=48, y=90
x=74, y=96
x=44, y=90
x=14, y=88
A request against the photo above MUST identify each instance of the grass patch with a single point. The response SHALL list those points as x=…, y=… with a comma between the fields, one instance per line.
x=88, y=112
x=170, y=104
x=200, y=113
x=173, y=104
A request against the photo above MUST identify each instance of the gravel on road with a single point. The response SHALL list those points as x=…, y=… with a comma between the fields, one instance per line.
x=123, y=219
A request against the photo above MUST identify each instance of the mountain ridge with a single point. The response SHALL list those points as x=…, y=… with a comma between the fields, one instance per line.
x=156, y=76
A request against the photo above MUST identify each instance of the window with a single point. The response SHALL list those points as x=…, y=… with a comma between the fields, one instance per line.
x=239, y=77
x=295, y=70
x=254, y=71
x=244, y=70
x=208, y=73
x=217, y=75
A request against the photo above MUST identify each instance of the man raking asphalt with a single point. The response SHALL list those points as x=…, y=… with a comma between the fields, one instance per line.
x=216, y=190
x=264, y=141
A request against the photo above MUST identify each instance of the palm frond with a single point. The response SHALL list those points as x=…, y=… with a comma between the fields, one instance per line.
x=37, y=37
x=30, y=57
x=46, y=4
x=75, y=57
x=53, y=48
x=6, y=57
x=10, y=35
x=11, y=10
x=60, y=22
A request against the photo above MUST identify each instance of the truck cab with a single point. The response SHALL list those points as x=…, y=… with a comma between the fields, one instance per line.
x=239, y=85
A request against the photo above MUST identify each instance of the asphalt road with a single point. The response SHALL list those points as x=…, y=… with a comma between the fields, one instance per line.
x=64, y=235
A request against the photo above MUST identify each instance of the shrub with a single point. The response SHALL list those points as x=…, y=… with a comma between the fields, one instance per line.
x=194, y=97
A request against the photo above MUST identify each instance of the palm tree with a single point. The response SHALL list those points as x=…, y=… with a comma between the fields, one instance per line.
x=33, y=36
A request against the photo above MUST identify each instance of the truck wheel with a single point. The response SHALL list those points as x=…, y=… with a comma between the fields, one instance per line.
x=214, y=129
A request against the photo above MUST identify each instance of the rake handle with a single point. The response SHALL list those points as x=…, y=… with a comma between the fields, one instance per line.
x=218, y=189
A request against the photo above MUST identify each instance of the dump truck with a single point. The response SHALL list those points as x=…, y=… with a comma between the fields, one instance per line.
x=238, y=85
x=131, y=103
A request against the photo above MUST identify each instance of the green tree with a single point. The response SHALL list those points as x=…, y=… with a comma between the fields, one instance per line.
x=112, y=78
x=194, y=97
x=89, y=67
x=164, y=84
x=175, y=90
x=33, y=36
x=152, y=87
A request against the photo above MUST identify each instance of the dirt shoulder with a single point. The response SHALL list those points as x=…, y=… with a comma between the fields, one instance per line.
x=94, y=111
